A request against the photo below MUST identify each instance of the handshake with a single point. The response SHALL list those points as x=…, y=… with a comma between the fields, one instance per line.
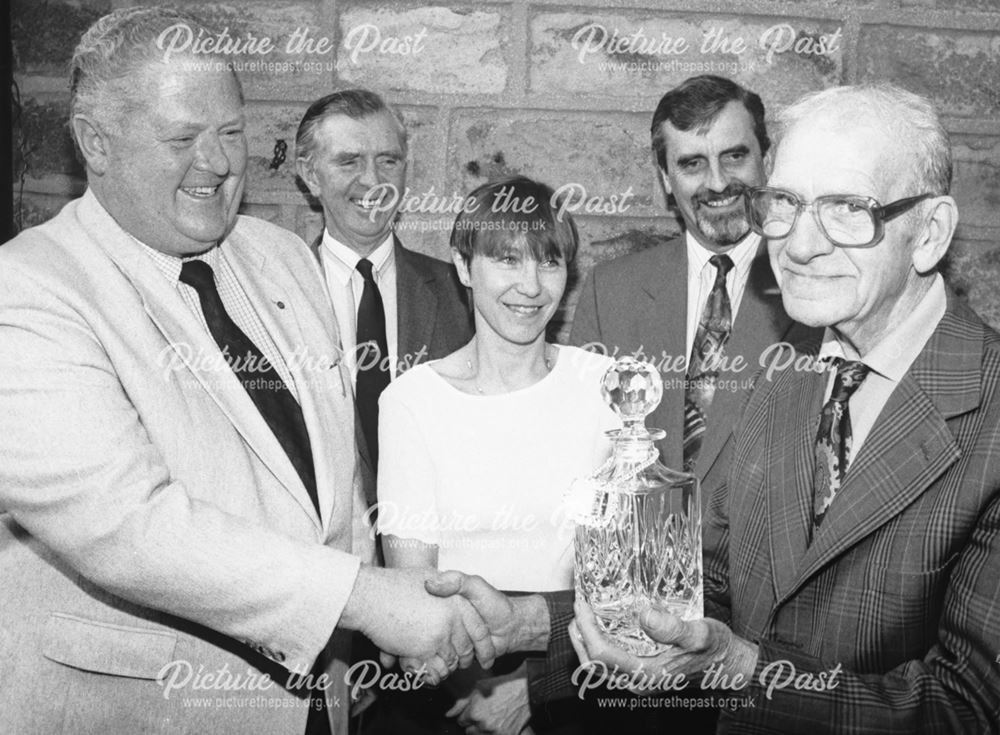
x=442, y=620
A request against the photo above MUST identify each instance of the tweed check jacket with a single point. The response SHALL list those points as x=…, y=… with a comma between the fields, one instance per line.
x=897, y=598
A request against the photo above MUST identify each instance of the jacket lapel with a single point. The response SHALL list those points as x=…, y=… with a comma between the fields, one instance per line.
x=367, y=468
x=910, y=445
x=661, y=324
x=788, y=490
x=416, y=305
x=266, y=292
x=760, y=321
x=191, y=344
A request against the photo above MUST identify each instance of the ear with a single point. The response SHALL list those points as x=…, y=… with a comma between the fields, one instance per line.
x=93, y=143
x=305, y=171
x=934, y=236
x=665, y=180
x=462, y=267
x=769, y=162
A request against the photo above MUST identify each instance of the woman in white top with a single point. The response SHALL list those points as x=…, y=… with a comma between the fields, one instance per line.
x=479, y=448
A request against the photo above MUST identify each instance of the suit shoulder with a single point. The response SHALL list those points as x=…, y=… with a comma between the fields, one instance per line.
x=38, y=242
x=425, y=263
x=991, y=342
x=273, y=235
x=991, y=357
x=59, y=252
x=273, y=241
x=629, y=266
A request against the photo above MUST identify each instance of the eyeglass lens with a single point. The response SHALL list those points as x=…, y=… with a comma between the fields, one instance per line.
x=845, y=220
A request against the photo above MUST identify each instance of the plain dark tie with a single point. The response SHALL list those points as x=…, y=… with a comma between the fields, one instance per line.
x=262, y=382
x=833, y=439
x=373, y=352
x=714, y=328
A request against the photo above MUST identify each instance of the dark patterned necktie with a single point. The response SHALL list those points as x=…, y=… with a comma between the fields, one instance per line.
x=706, y=353
x=259, y=378
x=833, y=440
x=372, y=351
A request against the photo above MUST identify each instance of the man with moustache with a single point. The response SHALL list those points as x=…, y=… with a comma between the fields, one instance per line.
x=705, y=302
x=180, y=504
x=351, y=151
x=864, y=524
x=703, y=307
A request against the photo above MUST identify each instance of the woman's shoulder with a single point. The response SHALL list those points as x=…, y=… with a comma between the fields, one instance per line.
x=413, y=384
x=586, y=365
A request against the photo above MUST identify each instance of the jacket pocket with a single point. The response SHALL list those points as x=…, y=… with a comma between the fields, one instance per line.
x=118, y=650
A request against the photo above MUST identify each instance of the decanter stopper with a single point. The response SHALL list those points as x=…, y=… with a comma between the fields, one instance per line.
x=633, y=389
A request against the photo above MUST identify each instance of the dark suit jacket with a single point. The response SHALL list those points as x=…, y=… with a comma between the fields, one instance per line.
x=639, y=303
x=901, y=586
x=433, y=317
x=432, y=307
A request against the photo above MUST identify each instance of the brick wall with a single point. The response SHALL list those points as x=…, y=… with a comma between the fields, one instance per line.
x=561, y=91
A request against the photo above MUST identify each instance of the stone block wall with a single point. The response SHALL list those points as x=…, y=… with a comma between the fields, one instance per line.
x=561, y=91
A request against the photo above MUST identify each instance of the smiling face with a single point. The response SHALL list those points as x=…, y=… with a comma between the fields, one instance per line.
x=358, y=172
x=172, y=175
x=514, y=295
x=860, y=292
x=707, y=172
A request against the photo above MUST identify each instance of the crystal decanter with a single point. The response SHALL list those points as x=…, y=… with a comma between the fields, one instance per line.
x=638, y=532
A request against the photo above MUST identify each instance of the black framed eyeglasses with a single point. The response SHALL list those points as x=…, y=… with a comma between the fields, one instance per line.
x=846, y=220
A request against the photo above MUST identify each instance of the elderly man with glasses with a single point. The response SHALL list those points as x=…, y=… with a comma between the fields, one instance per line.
x=863, y=530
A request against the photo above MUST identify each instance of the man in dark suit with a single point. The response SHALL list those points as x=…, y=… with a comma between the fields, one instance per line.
x=864, y=539
x=664, y=304
x=709, y=140
x=395, y=307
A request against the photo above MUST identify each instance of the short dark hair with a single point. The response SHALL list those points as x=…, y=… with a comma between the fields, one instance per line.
x=485, y=229
x=696, y=102
x=354, y=103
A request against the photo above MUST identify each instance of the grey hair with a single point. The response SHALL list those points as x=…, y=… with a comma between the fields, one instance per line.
x=355, y=104
x=112, y=51
x=909, y=118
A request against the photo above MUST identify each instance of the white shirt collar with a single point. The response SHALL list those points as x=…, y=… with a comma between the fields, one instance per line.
x=342, y=260
x=170, y=265
x=742, y=253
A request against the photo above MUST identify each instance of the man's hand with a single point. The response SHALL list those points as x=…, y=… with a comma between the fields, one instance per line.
x=391, y=607
x=695, y=645
x=497, y=705
x=515, y=623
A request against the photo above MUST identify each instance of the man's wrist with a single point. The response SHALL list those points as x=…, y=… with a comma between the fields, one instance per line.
x=533, y=625
x=742, y=657
x=359, y=606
